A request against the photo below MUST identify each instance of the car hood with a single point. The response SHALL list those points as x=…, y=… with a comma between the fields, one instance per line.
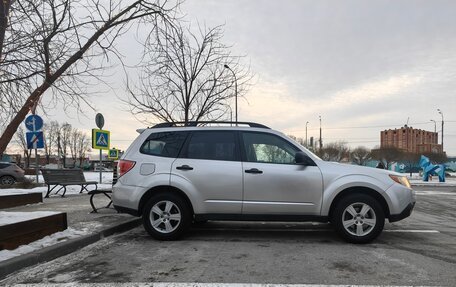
x=332, y=171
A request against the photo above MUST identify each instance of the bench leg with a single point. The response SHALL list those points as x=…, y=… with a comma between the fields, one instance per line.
x=49, y=190
x=94, y=209
x=64, y=191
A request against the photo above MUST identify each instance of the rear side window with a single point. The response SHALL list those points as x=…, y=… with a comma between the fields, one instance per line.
x=166, y=144
x=3, y=165
x=213, y=145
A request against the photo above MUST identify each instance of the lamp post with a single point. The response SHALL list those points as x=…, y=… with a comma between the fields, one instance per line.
x=235, y=92
x=306, y=133
x=440, y=112
x=435, y=125
x=321, y=144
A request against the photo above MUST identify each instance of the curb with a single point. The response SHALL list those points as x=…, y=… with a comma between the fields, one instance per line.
x=51, y=252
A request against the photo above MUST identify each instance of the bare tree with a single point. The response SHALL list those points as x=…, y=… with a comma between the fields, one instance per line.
x=64, y=137
x=335, y=151
x=63, y=45
x=361, y=155
x=83, y=147
x=50, y=138
x=184, y=77
x=387, y=155
x=21, y=141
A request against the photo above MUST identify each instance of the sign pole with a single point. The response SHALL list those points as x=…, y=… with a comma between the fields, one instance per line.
x=101, y=161
x=36, y=165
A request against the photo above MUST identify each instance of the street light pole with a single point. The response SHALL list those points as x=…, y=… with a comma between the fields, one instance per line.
x=321, y=144
x=306, y=133
x=235, y=92
x=441, y=113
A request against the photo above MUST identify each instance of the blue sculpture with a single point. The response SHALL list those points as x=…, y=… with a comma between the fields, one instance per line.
x=432, y=169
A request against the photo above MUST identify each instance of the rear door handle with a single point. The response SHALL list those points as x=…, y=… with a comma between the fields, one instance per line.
x=253, y=170
x=184, y=167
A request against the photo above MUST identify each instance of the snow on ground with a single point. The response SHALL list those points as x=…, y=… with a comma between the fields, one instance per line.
x=7, y=217
x=41, y=243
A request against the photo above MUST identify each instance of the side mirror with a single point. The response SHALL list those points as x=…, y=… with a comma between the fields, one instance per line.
x=302, y=158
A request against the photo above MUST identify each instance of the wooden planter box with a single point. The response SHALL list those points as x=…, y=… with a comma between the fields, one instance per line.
x=12, y=200
x=24, y=232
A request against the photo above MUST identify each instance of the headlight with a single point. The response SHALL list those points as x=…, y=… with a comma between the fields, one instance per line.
x=401, y=180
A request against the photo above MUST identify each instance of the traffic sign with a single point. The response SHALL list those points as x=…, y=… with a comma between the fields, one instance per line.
x=34, y=140
x=99, y=121
x=113, y=154
x=100, y=139
x=33, y=123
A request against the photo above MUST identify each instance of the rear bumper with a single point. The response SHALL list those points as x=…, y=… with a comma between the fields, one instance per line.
x=404, y=214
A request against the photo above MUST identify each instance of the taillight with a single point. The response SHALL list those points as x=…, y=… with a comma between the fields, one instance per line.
x=125, y=166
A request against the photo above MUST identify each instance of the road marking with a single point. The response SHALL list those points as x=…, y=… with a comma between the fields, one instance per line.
x=411, y=231
x=184, y=284
x=312, y=230
x=430, y=192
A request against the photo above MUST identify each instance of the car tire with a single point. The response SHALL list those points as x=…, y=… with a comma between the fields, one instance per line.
x=166, y=216
x=358, y=218
x=7, y=180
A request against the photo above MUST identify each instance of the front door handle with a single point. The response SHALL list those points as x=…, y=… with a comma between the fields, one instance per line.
x=184, y=167
x=253, y=170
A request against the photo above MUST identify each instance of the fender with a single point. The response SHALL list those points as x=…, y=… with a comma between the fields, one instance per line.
x=340, y=184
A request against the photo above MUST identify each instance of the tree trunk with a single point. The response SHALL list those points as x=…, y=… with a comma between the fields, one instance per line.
x=4, y=11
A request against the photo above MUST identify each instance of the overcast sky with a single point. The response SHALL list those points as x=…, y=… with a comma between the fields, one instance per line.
x=364, y=66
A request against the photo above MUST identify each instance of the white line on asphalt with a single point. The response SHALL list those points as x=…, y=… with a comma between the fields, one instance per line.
x=411, y=231
x=430, y=192
x=184, y=284
x=313, y=230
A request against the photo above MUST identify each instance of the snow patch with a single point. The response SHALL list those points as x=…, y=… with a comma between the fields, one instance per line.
x=41, y=243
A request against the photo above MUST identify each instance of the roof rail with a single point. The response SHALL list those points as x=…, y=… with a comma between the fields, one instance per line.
x=194, y=124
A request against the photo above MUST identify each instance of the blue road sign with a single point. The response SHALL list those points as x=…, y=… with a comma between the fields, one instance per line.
x=34, y=140
x=33, y=123
x=100, y=139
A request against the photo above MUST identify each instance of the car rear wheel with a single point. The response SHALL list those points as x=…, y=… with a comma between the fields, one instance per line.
x=358, y=218
x=166, y=216
x=7, y=180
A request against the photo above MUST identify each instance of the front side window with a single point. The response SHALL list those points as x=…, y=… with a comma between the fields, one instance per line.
x=166, y=144
x=213, y=145
x=268, y=148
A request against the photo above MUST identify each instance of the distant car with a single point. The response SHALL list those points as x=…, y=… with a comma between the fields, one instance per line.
x=10, y=173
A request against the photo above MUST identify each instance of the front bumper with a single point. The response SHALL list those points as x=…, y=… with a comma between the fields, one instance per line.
x=405, y=213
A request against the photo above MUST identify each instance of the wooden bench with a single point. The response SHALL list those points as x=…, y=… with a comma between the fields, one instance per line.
x=65, y=177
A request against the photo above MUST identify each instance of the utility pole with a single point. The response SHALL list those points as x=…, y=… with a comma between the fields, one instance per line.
x=321, y=143
x=435, y=126
x=441, y=113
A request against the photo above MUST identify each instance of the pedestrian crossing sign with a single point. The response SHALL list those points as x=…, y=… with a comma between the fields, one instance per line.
x=113, y=154
x=100, y=139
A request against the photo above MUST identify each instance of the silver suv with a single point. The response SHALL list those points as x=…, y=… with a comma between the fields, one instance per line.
x=174, y=175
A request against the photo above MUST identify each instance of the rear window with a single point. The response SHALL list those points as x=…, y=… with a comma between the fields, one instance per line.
x=166, y=144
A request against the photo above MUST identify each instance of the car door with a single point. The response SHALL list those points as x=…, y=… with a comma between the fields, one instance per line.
x=273, y=183
x=210, y=169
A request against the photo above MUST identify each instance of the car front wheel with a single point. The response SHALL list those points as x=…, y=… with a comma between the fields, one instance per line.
x=166, y=216
x=358, y=218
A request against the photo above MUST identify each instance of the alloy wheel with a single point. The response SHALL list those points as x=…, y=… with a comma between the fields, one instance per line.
x=165, y=216
x=359, y=219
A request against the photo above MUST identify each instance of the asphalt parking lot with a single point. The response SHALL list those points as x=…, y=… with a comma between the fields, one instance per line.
x=420, y=250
